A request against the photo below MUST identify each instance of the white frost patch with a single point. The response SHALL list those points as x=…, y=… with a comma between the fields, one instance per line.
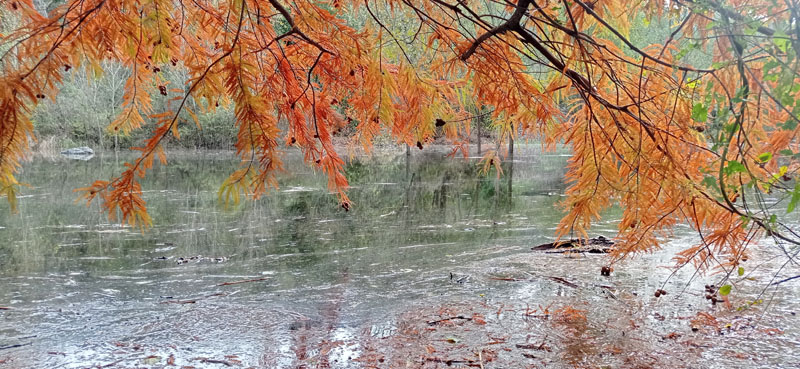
x=75, y=226
x=298, y=189
x=112, y=231
x=426, y=244
x=120, y=277
x=187, y=230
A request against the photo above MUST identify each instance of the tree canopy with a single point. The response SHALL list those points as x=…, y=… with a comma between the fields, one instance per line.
x=699, y=127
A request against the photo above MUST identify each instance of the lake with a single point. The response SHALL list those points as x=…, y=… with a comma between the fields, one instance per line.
x=431, y=267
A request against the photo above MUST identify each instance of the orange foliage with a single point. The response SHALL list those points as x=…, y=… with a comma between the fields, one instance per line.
x=669, y=143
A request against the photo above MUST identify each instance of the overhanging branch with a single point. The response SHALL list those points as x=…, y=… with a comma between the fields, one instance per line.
x=511, y=24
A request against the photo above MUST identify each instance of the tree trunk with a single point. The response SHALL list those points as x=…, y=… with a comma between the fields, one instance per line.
x=479, y=137
x=510, y=160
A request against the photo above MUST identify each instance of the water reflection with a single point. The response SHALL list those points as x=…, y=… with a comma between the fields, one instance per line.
x=315, y=279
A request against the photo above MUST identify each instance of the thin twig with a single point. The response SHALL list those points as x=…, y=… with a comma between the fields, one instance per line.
x=213, y=361
x=786, y=280
x=434, y=322
x=242, y=281
x=15, y=346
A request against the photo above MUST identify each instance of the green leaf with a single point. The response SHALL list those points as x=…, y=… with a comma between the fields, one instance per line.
x=710, y=182
x=740, y=271
x=720, y=65
x=781, y=41
x=765, y=157
x=782, y=44
x=699, y=112
x=725, y=290
x=787, y=100
x=795, y=198
x=685, y=50
x=786, y=152
x=735, y=167
x=730, y=128
x=769, y=65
